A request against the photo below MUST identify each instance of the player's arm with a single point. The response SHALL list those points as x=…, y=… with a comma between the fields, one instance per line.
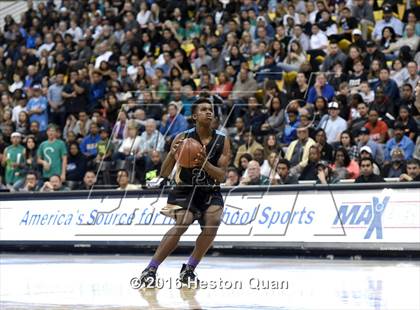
x=169, y=162
x=219, y=173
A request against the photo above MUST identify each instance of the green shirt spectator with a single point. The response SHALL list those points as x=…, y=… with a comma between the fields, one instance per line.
x=52, y=155
x=13, y=159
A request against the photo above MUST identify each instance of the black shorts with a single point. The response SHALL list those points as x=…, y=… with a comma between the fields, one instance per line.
x=197, y=201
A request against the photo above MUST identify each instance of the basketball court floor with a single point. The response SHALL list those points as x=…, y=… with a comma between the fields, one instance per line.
x=103, y=282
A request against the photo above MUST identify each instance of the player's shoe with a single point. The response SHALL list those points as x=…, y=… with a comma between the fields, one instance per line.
x=148, y=277
x=188, y=277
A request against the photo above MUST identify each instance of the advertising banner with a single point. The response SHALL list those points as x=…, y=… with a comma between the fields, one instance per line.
x=344, y=216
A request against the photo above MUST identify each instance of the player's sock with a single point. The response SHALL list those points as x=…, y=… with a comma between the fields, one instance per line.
x=192, y=262
x=153, y=264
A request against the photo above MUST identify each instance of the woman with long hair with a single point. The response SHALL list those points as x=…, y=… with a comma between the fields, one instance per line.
x=347, y=142
x=271, y=146
x=295, y=58
x=275, y=121
x=224, y=86
x=31, y=154
x=22, y=123
x=243, y=164
x=343, y=166
x=388, y=36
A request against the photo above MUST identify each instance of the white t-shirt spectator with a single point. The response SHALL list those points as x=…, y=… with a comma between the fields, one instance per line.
x=333, y=128
x=143, y=18
x=77, y=33
x=318, y=40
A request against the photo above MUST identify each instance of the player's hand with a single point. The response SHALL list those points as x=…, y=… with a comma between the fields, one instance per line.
x=201, y=157
x=175, y=146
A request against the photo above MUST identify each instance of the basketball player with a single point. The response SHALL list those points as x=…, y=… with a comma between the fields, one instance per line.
x=196, y=195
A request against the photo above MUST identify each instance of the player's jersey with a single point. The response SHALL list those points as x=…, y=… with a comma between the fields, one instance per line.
x=198, y=176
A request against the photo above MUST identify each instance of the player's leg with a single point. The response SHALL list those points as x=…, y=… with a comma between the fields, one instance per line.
x=212, y=218
x=184, y=219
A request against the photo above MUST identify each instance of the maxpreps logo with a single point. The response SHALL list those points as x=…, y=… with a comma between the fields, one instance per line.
x=369, y=215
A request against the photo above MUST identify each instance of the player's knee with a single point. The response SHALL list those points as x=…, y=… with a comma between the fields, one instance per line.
x=212, y=223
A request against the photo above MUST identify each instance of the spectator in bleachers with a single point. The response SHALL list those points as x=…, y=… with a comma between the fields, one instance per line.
x=254, y=176
x=413, y=171
x=408, y=121
x=249, y=146
x=335, y=55
x=344, y=167
x=396, y=166
x=88, y=145
x=298, y=151
x=375, y=149
x=76, y=163
x=37, y=108
x=89, y=181
x=388, y=21
x=332, y=123
x=309, y=172
x=123, y=181
x=31, y=183
x=52, y=155
x=366, y=172
x=413, y=76
x=399, y=141
x=324, y=147
x=348, y=143
x=173, y=123
x=320, y=89
x=54, y=184
x=325, y=175
x=13, y=160
x=232, y=177
x=378, y=129
x=130, y=146
x=282, y=174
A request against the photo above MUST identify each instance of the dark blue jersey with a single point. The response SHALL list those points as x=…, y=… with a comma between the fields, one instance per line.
x=198, y=176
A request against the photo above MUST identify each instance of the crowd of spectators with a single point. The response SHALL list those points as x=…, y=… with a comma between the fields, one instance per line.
x=94, y=91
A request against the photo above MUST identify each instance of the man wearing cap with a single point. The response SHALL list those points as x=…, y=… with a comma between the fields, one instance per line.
x=332, y=123
x=37, y=108
x=401, y=141
x=13, y=159
x=270, y=70
x=372, y=53
x=366, y=144
x=388, y=21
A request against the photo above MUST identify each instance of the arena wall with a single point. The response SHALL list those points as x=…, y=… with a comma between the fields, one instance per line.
x=306, y=217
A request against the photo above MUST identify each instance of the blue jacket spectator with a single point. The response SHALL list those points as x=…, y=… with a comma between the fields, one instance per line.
x=97, y=90
x=37, y=109
x=401, y=141
x=388, y=85
x=174, y=124
x=321, y=88
x=88, y=146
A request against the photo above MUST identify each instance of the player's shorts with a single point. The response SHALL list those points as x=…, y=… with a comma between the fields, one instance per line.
x=197, y=201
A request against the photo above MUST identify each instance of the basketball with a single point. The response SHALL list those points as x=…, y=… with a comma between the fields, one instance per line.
x=187, y=152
